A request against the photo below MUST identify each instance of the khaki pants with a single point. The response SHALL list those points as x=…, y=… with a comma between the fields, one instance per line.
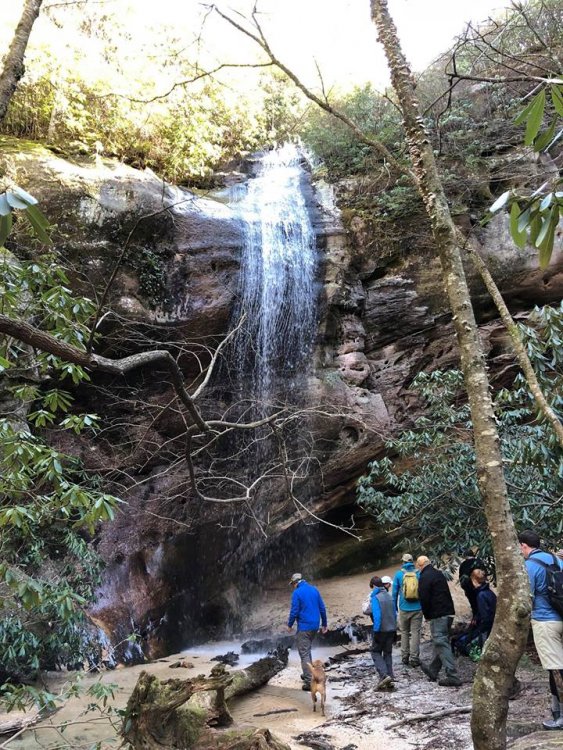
x=548, y=640
x=411, y=624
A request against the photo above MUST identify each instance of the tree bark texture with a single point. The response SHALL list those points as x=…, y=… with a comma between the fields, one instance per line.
x=193, y=714
x=507, y=640
x=13, y=67
x=519, y=348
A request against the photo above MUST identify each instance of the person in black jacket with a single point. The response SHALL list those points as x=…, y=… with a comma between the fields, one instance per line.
x=438, y=608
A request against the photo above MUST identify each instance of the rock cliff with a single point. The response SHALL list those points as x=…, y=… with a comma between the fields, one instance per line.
x=179, y=568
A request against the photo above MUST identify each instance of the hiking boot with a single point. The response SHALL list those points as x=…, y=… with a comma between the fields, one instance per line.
x=385, y=683
x=450, y=681
x=555, y=723
x=429, y=672
x=405, y=661
x=306, y=687
x=414, y=663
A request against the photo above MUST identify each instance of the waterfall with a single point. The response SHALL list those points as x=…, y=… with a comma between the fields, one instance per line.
x=277, y=280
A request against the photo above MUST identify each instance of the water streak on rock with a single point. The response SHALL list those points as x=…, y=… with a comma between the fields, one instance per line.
x=277, y=280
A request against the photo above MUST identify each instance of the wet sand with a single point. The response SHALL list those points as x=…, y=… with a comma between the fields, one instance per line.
x=345, y=723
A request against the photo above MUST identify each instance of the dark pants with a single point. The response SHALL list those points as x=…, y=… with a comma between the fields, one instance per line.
x=440, y=631
x=554, y=688
x=304, y=641
x=382, y=652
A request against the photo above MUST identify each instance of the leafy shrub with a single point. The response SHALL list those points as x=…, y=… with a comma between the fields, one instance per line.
x=430, y=491
x=49, y=505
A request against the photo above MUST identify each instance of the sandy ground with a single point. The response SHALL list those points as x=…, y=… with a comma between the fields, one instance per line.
x=357, y=715
x=342, y=595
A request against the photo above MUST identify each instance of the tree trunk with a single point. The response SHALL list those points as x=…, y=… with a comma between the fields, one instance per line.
x=13, y=68
x=506, y=643
x=193, y=715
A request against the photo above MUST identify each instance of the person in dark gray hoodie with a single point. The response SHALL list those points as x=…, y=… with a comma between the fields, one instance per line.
x=384, y=630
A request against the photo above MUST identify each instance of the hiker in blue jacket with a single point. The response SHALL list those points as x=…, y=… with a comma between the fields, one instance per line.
x=307, y=609
x=547, y=624
x=384, y=629
x=409, y=613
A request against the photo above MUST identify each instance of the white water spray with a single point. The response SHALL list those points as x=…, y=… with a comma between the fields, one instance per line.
x=277, y=287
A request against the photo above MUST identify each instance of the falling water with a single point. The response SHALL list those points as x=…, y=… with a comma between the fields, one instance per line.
x=277, y=289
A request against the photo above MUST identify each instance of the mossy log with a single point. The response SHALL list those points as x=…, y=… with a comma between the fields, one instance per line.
x=192, y=714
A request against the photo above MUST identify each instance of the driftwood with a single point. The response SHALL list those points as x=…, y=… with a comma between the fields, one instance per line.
x=315, y=741
x=431, y=716
x=18, y=720
x=277, y=711
x=17, y=724
x=544, y=740
x=192, y=714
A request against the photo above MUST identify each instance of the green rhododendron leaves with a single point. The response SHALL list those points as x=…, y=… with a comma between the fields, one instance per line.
x=5, y=227
x=534, y=118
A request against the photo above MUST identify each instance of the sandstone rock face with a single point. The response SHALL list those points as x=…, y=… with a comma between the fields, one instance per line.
x=180, y=569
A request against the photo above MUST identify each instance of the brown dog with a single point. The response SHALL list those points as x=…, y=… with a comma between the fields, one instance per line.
x=318, y=683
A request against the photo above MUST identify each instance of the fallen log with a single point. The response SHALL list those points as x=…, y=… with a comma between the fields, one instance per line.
x=430, y=716
x=192, y=714
x=18, y=720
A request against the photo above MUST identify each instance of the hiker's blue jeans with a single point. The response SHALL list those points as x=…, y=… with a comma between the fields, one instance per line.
x=440, y=632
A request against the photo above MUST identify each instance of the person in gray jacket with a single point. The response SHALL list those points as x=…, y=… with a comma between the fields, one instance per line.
x=384, y=629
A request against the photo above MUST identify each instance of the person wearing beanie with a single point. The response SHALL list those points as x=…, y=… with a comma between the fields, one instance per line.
x=438, y=608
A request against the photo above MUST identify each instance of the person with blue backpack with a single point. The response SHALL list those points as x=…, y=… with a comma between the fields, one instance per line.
x=545, y=572
x=408, y=609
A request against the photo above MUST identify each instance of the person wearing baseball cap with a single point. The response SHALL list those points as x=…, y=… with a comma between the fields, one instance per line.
x=408, y=609
x=307, y=610
x=384, y=629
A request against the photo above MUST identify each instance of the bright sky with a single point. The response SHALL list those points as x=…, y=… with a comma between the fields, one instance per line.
x=337, y=34
x=341, y=37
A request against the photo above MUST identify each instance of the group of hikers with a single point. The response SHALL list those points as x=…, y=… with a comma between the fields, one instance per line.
x=418, y=590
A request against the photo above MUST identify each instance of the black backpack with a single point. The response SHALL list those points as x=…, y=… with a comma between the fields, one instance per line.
x=554, y=575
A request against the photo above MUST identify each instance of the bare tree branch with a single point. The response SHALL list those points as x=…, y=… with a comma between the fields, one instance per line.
x=39, y=339
x=324, y=104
